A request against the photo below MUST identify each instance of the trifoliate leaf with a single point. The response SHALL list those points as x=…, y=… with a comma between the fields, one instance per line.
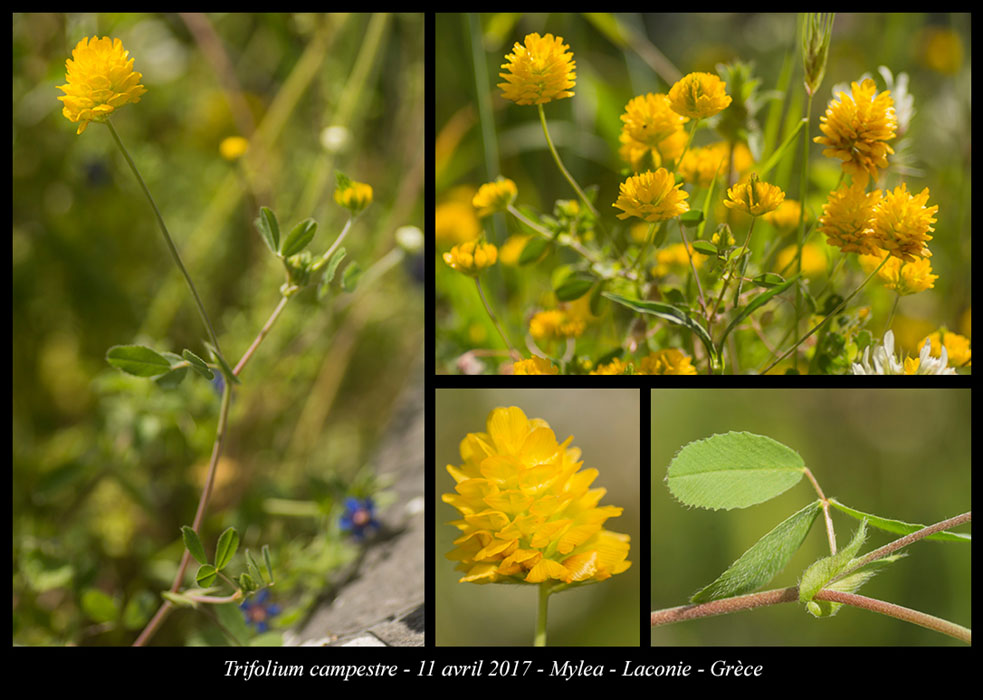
x=733, y=470
x=764, y=560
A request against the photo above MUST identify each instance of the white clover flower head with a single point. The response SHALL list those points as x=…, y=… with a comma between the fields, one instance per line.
x=881, y=361
x=928, y=364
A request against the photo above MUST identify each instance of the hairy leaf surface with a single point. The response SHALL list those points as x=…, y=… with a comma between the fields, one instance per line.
x=733, y=470
x=763, y=561
x=817, y=576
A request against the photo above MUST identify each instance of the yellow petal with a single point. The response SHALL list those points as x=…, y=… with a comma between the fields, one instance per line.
x=547, y=568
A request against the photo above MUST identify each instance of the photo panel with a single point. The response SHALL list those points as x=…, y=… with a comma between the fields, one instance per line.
x=540, y=493
x=754, y=489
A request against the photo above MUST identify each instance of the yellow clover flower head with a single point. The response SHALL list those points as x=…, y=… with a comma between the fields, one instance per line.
x=667, y=361
x=100, y=80
x=471, y=257
x=528, y=514
x=651, y=128
x=900, y=223
x=754, y=196
x=699, y=95
x=555, y=324
x=538, y=71
x=233, y=147
x=856, y=127
x=846, y=219
x=535, y=365
x=903, y=277
x=652, y=196
x=494, y=196
x=353, y=196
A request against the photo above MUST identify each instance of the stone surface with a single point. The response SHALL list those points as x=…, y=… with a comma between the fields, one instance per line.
x=381, y=604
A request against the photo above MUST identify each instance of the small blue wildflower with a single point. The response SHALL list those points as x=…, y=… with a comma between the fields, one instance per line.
x=218, y=383
x=258, y=611
x=359, y=518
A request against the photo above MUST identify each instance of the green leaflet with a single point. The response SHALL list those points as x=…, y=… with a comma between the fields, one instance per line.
x=733, y=470
x=815, y=578
x=137, y=360
x=228, y=543
x=899, y=527
x=764, y=560
x=670, y=313
x=193, y=544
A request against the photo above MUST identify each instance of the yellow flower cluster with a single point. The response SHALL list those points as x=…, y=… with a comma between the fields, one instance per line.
x=701, y=165
x=667, y=361
x=354, y=196
x=528, y=514
x=652, y=130
x=555, y=324
x=494, y=196
x=699, y=95
x=471, y=257
x=896, y=274
x=538, y=71
x=534, y=365
x=856, y=128
x=754, y=197
x=867, y=222
x=652, y=196
x=100, y=79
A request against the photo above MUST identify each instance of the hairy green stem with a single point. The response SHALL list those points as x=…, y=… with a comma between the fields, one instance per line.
x=830, y=533
x=730, y=272
x=167, y=238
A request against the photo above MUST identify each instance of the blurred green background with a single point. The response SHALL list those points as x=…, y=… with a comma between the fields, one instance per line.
x=898, y=453
x=480, y=136
x=601, y=614
x=107, y=467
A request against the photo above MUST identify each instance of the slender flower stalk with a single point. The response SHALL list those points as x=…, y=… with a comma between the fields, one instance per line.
x=167, y=238
x=494, y=320
x=566, y=174
x=541, y=615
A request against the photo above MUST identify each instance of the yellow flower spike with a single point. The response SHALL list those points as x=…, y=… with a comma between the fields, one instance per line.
x=539, y=70
x=652, y=196
x=754, y=197
x=471, y=257
x=856, y=127
x=900, y=223
x=529, y=514
x=699, y=95
x=494, y=196
x=100, y=79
